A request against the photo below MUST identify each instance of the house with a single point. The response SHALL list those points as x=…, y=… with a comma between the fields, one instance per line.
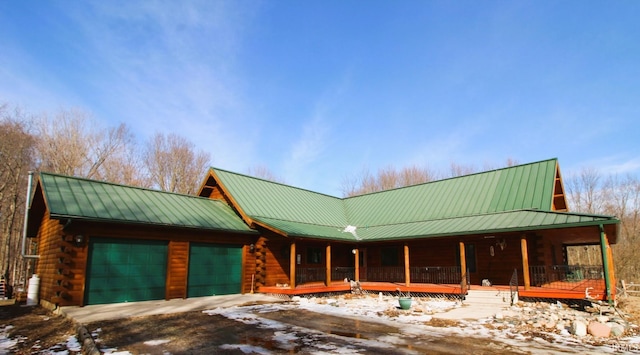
x=101, y=243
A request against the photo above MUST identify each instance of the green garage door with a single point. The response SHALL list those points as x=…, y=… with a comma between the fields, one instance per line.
x=214, y=270
x=124, y=270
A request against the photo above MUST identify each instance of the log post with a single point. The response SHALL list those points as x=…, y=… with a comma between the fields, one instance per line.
x=357, y=261
x=407, y=274
x=525, y=262
x=292, y=265
x=328, y=265
x=463, y=267
x=604, y=249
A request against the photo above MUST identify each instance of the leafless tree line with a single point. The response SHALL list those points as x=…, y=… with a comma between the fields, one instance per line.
x=391, y=177
x=590, y=191
x=71, y=142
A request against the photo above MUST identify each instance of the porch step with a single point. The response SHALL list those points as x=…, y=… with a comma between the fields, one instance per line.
x=488, y=298
x=479, y=304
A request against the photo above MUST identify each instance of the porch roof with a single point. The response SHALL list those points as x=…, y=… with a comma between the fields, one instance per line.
x=517, y=198
x=499, y=222
x=77, y=198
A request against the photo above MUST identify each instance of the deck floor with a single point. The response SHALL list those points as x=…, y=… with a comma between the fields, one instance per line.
x=556, y=290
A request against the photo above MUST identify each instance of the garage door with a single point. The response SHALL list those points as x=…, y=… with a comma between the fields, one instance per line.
x=122, y=270
x=214, y=270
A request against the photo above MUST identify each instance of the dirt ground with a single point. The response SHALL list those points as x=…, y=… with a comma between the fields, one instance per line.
x=36, y=327
x=200, y=333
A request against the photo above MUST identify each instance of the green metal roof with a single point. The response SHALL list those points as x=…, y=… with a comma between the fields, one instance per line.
x=527, y=186
x=261, y=198
x=76, y=198
x=509, y=199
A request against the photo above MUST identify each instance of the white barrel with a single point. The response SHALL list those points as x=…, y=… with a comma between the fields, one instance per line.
x=33, y=290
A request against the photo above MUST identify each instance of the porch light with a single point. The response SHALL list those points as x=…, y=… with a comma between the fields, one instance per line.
x=252, y=247
x=354, y=251
x=79, y=239
x=502, y=244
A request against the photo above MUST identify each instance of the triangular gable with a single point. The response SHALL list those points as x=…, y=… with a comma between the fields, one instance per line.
x=559, y=197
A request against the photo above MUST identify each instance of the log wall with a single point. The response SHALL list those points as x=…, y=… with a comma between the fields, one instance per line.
x=62, y=264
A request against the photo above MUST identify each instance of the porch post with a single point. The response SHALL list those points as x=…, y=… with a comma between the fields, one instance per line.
x=357, y=261
x=525, y=262
x=292, y=265
x=407, y=274
x=604, y=249
x=328, y=271
x=463, y=266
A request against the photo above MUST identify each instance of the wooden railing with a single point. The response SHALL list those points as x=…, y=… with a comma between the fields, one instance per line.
x=630, y=289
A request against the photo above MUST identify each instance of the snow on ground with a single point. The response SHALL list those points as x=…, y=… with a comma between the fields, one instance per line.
x=5, y=342
x=384, y=309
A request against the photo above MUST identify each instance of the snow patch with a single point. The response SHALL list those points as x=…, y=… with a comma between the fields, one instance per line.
x=351, y=229
x=156, y=342
x=246, y=349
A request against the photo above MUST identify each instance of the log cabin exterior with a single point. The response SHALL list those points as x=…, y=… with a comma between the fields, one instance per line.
x=502, y=227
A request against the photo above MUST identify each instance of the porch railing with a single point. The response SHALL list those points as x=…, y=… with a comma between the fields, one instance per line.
x=385, y=274
x=341, y=273
x=566, y=277
x=310, y=274
x=436, y=275
x=513, y=286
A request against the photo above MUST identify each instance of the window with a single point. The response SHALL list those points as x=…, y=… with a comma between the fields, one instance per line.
x=389, y=256
x=314, y=256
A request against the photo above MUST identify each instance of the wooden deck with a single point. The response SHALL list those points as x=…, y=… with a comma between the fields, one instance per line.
x=573, y=290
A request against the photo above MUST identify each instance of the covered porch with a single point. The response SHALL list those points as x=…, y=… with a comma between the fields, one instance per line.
x=534, y=264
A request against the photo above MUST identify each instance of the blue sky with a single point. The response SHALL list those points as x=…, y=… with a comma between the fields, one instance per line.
x=319, y=90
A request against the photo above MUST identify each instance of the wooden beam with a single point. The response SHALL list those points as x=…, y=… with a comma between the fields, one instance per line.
x=525, y=262
x=357, y=261
x=407, y=274
x=328, y=266
x=292, y=265
x=608, y=272
x=463, y=266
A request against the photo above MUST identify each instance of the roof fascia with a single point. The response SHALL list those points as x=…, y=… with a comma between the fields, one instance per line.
x=235, y=205
x=270, y=228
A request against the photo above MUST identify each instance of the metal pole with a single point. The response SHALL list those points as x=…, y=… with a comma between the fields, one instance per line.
x=26, y=220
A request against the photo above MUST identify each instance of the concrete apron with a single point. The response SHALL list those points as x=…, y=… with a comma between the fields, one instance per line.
x=94, y=313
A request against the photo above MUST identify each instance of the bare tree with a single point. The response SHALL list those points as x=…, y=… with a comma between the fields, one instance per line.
x=460, y=170
x=173, y=164
x=588, y=192
x=72, y=143
x=263, y=172
x=585, y=191
x=386, y=179
x=16, y=158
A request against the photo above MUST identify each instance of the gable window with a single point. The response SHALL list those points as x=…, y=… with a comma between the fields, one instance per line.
x=314, y=256
x=389, y=256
